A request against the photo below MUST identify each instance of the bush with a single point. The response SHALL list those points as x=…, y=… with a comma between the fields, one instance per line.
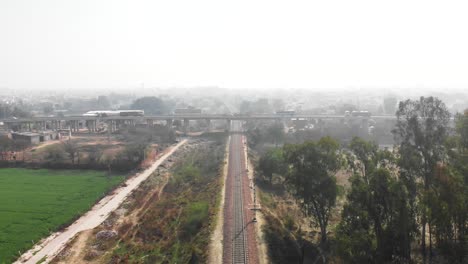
x=196, y=215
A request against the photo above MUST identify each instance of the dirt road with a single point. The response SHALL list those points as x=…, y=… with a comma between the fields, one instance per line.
x=53, y=244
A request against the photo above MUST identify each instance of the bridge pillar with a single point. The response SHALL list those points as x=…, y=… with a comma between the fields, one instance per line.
x=228, y=124
x=186, y=124
x=169, y=123
x=208, y=125
x=88, y=125
x=149, y=122
x=110, y=126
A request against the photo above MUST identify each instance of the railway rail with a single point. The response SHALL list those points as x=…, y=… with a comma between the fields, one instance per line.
x=239, y=239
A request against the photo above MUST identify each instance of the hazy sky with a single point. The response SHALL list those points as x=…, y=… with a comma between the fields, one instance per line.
x=261, y=44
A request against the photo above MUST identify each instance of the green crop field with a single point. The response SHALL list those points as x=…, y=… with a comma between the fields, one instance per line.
x=35, y=202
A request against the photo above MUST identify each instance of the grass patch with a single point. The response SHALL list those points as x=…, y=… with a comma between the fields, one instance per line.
x=36, y=202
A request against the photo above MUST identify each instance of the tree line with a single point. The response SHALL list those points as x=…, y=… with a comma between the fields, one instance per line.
x=405, y=205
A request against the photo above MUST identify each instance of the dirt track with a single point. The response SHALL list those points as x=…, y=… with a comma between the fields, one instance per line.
x=47, y=249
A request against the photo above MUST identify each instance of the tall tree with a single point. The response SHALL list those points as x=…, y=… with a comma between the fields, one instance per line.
x=150, y=104
x=421, y=131
x=275, y=133
x=376, y=225
x=311, y=179
x=377, y=215
x=462, y=131
x=449, y=196
x=272, y=161
x=71, y=148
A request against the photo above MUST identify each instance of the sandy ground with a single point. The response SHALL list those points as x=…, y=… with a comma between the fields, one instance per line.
x=75, y=250
x=49, y=247
x=79, y=244
x=216, y=243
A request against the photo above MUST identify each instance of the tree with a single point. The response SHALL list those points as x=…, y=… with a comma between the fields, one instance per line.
x=365, y=153
x=94, y=154
x=376, y=225
x=311, y=178
x=462, y=131
x=421, y=131
x=377, y=215
x=150, y=104
x=13, y=110
x=55, y=153
x=275, y=133
x=449, y=196
x=71, y=148
x=448, y=213
x=272, y=162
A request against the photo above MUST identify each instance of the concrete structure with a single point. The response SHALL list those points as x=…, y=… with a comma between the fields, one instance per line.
x=32, y=138
x=48, y=135
x=4, y=133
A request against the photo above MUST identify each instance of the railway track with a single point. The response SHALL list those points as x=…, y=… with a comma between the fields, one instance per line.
x=239, y=251
x=239, y=243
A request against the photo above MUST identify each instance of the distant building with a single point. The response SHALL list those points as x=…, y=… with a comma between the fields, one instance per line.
x=48, y=135
x=32, y=138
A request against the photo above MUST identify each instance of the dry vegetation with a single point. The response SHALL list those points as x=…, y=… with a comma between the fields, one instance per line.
x=166, y=220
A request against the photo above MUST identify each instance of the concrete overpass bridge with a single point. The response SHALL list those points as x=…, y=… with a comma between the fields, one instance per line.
x=74, y=123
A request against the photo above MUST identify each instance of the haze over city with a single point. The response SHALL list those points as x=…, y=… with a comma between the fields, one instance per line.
x=254, y=132
x=244, y=44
